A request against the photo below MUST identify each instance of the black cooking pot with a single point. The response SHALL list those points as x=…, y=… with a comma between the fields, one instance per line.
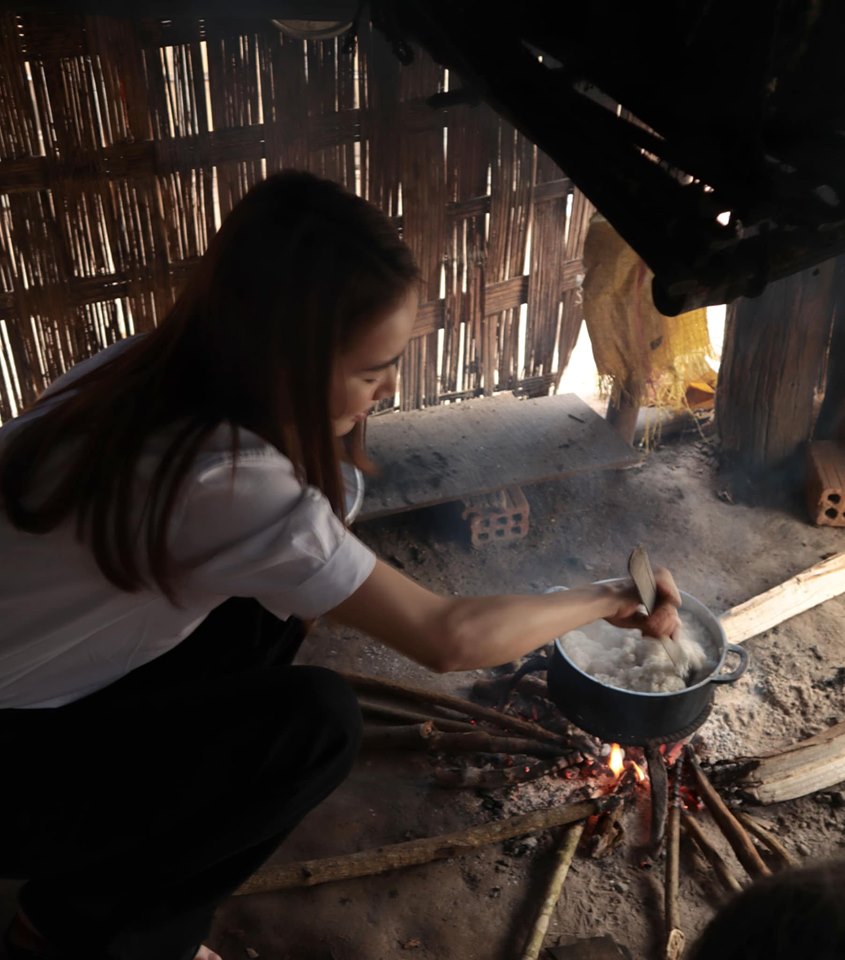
x=631, y=718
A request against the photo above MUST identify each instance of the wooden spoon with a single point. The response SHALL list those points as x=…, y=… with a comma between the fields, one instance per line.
x=639, y=567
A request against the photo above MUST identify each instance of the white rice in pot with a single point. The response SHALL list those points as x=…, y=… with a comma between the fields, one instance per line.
x=628, y=660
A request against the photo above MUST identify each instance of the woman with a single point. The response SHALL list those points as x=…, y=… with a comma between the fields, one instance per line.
x=170, y=516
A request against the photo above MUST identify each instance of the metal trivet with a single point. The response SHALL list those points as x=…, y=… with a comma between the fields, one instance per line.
x=689, y=729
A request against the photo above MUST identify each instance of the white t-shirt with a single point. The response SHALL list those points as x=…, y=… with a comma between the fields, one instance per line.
x=251, y=531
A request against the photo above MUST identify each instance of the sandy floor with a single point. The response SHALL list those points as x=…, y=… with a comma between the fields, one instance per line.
x=480, y=907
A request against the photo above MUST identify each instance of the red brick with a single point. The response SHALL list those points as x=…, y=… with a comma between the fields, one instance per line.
x=497, y=517
x=826, y=483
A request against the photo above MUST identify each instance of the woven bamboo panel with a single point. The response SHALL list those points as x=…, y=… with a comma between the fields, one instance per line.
x=123, y=144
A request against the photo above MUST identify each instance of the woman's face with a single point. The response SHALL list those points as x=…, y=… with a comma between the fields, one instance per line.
x=366, y=372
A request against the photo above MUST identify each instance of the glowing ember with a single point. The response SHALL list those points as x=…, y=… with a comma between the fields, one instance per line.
x=616, y=760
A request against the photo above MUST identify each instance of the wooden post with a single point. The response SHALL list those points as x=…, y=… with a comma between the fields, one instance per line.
x=831, y=422
x=774, y=352
x=622, y=412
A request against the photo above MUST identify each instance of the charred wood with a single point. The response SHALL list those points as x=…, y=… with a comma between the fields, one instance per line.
x=489, y=779
x=432, y=697
x=426, y=736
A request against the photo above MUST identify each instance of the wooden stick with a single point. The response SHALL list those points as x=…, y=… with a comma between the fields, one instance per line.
x=563, y=860
x=493, y=690
x=388, y=712
x=309, y=873
x=808, y=589
x=607, y=834
x=806, y=767
x=412, y=736
x=459, y=705
x=768, y=838
x=675, y=945
x=723, y=872
x=659, y=780
x=426, y=736
x=483, y=742
x=493, y=779
x=674, y=935
x=733, y=830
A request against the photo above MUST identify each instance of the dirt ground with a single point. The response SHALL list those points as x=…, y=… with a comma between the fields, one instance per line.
x=480, y=907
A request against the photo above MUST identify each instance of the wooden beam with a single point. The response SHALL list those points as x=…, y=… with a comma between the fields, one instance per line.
x=800, y=593
x=329, y=10
x=765, y=405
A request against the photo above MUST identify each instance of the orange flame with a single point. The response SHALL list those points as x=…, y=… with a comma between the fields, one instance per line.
x=639, y=773
x=616, y=760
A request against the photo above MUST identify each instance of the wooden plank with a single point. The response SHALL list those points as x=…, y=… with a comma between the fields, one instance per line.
x=451, y=452
x=805, y=590
x=806, y=767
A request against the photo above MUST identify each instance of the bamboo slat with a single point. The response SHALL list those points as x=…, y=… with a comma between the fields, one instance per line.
x=123, y=143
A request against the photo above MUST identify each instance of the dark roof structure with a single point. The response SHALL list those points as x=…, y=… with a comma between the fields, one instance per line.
x=711, y=133
x=672, y=117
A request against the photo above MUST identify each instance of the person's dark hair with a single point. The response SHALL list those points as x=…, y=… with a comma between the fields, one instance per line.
x=298, y=270
x=795, y=915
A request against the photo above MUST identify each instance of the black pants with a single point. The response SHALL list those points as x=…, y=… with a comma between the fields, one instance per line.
x=134, y=811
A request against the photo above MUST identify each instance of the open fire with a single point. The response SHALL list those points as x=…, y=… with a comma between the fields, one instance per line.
x=597, y=791
x=618, y=763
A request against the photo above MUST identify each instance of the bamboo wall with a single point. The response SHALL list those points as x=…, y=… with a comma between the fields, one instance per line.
x=124, y=143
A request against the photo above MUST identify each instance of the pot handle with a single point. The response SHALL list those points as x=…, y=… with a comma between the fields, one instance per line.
x=740, y=668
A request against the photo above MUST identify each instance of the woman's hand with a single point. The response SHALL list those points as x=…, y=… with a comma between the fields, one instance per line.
x=663, y=621
x=466, y=633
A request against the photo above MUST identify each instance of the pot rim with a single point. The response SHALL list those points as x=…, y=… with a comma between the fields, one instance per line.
x=696, y=607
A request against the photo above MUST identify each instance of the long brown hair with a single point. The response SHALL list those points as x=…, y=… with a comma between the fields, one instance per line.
x=795, y=915
x=298, y=269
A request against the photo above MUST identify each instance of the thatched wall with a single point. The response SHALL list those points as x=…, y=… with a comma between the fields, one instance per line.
x=123, y=143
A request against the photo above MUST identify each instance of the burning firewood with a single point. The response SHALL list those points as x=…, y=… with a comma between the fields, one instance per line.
x=495, y=779
x=497, y=689
x=607, y=831
x=365, y=863
x=607, y=834
x=389, y=712
x=563, y=860
x=426, y=736
x=733, y=830
x=389, y=688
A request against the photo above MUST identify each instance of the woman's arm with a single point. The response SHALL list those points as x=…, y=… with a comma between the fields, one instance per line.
x=464, y=633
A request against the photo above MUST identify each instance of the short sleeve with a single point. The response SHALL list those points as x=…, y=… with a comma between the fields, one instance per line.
x=250, y=529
